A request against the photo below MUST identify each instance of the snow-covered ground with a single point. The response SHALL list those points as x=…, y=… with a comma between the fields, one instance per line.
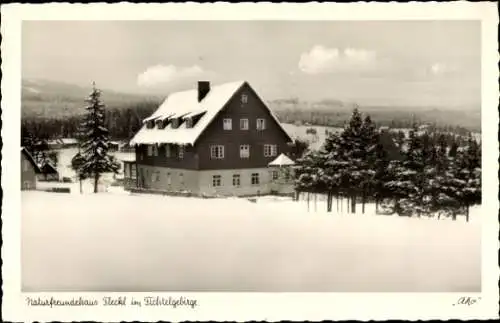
x=123, y=242
x=315, y=140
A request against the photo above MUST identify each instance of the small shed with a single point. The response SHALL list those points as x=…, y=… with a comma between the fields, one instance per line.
x=282, y=174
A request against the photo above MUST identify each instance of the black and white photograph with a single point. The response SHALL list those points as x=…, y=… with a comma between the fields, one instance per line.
x=252, y=156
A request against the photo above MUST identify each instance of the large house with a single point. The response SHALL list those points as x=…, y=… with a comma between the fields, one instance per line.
x=215, y=140
x=29, y=170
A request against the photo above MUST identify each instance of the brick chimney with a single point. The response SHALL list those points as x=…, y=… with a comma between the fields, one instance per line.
x=203, y=89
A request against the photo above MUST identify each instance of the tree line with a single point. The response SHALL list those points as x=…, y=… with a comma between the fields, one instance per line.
x=122, y=123
x=437, y=120
x=424, y=173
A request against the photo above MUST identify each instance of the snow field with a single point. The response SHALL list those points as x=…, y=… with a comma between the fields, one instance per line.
x=121, y=242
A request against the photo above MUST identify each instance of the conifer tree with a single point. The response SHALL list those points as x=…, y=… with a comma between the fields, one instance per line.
x=94, y=159
x=370, y=139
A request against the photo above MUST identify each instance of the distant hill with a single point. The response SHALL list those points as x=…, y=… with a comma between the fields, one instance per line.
x=49, y=99
x=44, y=98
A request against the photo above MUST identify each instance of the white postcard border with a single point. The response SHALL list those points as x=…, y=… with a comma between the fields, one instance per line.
x=250, y=306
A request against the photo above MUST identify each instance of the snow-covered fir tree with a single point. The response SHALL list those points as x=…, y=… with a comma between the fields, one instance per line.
x=93, y=159
x=432, y=173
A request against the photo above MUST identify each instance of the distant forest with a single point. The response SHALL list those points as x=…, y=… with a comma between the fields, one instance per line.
x=125, y=120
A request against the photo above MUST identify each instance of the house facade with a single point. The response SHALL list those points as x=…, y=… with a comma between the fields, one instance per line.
x=29, y=171
x=210, y=141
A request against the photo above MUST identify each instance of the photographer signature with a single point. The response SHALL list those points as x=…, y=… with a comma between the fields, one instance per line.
x=467, y=301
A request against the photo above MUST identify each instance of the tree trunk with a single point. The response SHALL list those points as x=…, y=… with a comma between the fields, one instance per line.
x=96, y=182
x=467, y=212
x=353, y=204
x=376, y=206
x=337, y=202
x=363, y=203
x=81, y=186
x=341, y=204
x=330, y=201
x=327, y=202
x=308, y=194
x=315, y=202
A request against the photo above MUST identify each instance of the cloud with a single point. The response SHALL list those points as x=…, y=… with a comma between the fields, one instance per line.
x=161, y=74
x=326, y=60
x=439, y=69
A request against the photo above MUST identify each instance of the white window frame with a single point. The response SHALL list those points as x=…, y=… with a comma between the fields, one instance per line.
x=227, y=124
x=150, y=150
x=180, y=152
x=255, y=176
x=275, y=175
x=169, y=179
x=217, y=152
x=261, y=124
x=244, y=124
x=245, y=151
x=216, y=180
x=244, y=98
x=274, y=150
x=237, y=179
x=155, y=150
x=270, y=150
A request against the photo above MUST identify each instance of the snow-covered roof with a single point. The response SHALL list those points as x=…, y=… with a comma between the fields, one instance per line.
x=184, y=105
x=282, y=160
x=69, y=141
x=128, y=158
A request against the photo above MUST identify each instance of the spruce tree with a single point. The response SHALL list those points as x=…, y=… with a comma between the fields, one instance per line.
x=370, y=139
x=353, y=148
x=470, y=172
x=95, y=159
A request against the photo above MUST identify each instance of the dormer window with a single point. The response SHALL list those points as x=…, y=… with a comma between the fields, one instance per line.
x=244, y=98
x=189, y=123
x=175, y=123
x=150, y=124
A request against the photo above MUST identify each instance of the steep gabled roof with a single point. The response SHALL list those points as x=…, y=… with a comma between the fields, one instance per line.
x=184, y=105
x=30, y=158
x=282, y=160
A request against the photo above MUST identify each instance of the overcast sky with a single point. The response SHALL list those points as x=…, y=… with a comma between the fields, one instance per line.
x=390, y=63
